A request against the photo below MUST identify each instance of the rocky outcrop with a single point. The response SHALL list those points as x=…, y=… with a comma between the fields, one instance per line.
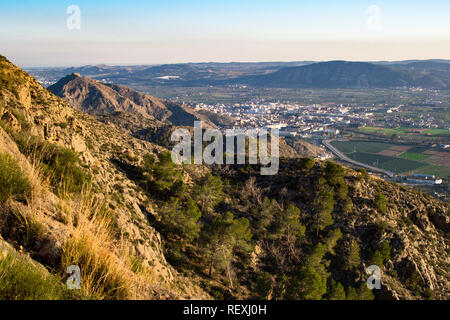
x=11, y=121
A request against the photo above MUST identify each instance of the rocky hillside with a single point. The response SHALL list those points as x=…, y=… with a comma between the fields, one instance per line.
x=99, y=99
x=306, y=149
x=78, y=191
x=69, y=161
x=94, y=97
x=404, y=232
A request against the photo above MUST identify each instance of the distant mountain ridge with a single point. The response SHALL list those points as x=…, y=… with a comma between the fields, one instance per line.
x=434, y=74
x=344, y=74
x=102, y=99
x=97, y=98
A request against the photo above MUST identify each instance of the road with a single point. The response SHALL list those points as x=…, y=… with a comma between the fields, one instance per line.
x=343, y=157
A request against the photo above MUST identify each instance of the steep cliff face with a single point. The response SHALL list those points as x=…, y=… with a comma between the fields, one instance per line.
x=32, y=118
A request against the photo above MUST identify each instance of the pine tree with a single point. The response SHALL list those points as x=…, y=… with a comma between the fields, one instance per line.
x=323, y=207
x=334, y=174
x=225, y=236
x=351, y=255
x=208, y=192
x=360, y=293
x=165, y=178
x=332, y=239
x=181, y=219
x=364, y=293
x=306, y=284
x=290, y=226
x=336, y=291
x=264, y=285
x=263, y=216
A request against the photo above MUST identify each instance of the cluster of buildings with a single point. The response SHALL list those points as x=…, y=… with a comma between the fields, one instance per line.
x=294, y=119
x=316, y=120
x=423, y=179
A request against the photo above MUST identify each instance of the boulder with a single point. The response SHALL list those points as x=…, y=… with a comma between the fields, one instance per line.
x=11, y=121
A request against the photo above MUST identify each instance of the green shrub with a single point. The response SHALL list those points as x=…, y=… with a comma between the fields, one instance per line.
x=13, y=183
x=362, y=173
x=64, y=164
x=181, y=218
x=334, y=173
x=61, y=164
x=208, y=192
x=380, y=203
x=263, y=285
x=307, y=163
x=163, y=176
x=22, y=280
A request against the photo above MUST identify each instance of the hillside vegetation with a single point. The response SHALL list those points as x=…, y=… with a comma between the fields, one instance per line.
x=77, y=191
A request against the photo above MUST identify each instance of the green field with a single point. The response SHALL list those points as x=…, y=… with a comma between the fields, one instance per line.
x=360, y=146
x=436, y=170
x=420, y=134
x=393, y=164
x=419, y=149
x=414, y=156
x=411, y=161
x=437, y=131
x=385, y=131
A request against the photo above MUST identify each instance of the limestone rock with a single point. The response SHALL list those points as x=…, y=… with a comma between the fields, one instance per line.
x=11, y=121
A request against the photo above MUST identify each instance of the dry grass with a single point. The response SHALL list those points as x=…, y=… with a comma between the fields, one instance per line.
x=108, y=269
x=91, y=247
x=38, y=181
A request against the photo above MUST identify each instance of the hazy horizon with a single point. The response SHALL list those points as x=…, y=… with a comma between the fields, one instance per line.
x=218, y=62
x=52, y=33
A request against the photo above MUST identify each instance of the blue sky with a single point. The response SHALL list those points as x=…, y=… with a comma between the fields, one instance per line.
x=34, y=33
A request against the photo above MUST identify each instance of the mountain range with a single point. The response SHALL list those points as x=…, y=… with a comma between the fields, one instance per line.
x=344, y=74
x=433, y=74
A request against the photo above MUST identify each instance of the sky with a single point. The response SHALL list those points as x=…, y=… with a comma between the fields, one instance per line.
x=46, y=33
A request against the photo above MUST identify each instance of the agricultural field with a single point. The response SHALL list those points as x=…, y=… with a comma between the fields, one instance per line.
x=411, y=134
x=398, y=158
x=384, y=131
x=360, y=146
x=393, y=164
x=414, y=156
x=437, y=131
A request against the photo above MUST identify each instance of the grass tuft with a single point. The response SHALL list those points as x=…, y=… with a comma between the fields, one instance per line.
x=13, y=183
x=20, y=279
x=91, y=247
